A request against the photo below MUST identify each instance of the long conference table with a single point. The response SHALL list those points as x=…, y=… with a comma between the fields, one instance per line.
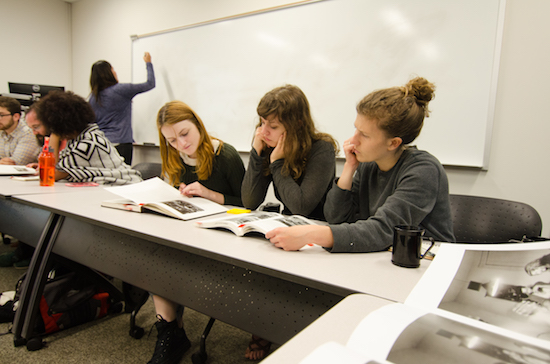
x=243, y=281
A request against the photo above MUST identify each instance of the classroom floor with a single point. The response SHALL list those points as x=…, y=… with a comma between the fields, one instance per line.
x=107, y=340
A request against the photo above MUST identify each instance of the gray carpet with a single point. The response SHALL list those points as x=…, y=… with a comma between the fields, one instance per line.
x=107, y=340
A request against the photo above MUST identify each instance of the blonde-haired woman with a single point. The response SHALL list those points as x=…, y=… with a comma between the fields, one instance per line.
x=200, y=165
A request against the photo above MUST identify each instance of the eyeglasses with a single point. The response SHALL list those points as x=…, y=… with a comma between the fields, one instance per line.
x=2, y=115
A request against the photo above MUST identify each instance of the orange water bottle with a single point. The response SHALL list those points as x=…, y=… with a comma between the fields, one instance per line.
x=46, y=164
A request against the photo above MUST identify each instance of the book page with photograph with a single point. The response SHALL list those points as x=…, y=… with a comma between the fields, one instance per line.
x=158, y=196
x=255, y=221
x=403, y=334
x=506, y=286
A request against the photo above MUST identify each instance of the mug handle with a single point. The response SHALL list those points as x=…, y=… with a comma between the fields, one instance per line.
x=426, y=252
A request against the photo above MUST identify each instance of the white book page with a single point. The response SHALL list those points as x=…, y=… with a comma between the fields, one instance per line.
x=375, y=335
x=283, y=221
x=491, y=286
x=402, y=334
x=8, y=170
x=151, y=190
x=239, y=220
x=332, y=352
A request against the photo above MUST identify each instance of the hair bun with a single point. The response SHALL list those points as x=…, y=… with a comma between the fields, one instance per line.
x=421, y=89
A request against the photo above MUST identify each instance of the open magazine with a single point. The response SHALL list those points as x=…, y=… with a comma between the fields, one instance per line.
x=254, y=222
x=11, y=170
x=156, y=195
x=475, y=304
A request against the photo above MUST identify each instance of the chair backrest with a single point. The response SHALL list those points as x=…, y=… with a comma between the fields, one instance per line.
x=149, y=170
x=490, y=220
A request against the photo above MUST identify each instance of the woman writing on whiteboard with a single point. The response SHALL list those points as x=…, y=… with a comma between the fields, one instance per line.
x=112, y=104
x=201, y=166
x=384, y=182
x=289, y=152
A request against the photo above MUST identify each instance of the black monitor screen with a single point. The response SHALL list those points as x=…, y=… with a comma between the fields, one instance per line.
x=32, y=89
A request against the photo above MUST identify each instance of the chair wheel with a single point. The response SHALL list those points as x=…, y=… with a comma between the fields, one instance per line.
x=137, y=332
x=34, y=344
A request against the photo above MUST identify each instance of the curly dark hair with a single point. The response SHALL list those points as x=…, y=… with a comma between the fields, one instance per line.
x=65, y=113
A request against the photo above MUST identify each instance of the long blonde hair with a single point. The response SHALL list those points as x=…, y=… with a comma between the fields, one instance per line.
x=172, y=165
x=291, y=106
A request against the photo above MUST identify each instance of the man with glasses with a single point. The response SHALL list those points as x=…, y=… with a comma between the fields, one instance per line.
x=18, y=145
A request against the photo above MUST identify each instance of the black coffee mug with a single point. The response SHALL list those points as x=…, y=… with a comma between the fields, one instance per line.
x=407, y=241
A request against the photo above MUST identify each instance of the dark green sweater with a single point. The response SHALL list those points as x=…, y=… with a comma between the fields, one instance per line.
x=226, y=178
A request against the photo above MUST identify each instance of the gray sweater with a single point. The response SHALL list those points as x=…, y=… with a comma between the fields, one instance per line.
x=414, y=192
x=304, y=196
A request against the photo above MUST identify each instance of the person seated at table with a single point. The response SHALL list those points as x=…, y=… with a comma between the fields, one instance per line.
x=39, y=130
x=17, y=147
x=17, y=144
x=384, y=182
x=199, y=165
x=289, y=152
x=88, y=155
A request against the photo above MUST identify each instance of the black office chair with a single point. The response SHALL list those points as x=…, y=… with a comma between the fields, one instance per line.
x=490, y=220
x=135, y=297
x=149, y=170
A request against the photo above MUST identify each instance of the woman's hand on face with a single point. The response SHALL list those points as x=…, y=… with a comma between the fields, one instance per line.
x=258, y=142
x=279, y=151
x=349, y=153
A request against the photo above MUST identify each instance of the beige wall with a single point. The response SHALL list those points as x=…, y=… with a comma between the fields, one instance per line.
x=36, y=43
x=518, y=167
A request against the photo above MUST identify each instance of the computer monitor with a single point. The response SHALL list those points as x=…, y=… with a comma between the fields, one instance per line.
x=34, y=90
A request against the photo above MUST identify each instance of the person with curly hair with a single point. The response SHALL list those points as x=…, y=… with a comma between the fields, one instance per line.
x=88, y=156
x=384, y=181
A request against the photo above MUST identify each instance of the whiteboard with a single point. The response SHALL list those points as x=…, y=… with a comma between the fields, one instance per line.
x=336, y=51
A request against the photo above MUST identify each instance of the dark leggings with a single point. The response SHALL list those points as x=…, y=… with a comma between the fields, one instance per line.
x=126, y=151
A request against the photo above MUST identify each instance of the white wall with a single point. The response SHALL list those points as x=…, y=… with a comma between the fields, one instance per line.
x=518, y=166
x=36, y=43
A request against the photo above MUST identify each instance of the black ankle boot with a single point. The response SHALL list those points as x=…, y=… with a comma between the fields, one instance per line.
x=172, y=343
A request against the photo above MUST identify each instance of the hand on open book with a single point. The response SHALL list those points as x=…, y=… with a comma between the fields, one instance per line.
x=197, y=189
x=296, y=237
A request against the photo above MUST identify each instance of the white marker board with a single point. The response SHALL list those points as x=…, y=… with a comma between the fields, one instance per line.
x=336, y=51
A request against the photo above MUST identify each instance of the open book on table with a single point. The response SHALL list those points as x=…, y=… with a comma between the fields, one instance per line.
x=156, y=195
x=254, y=222
x=11, y=170
x=475, y=304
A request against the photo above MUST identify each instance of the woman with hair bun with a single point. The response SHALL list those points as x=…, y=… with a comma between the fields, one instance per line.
x=384, y=182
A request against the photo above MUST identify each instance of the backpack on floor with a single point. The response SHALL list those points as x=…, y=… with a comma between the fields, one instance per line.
x=69, y=299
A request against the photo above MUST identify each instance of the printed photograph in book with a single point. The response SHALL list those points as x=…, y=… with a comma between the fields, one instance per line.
x=435, y=339
x=254, y=222
x=509, y=289
x=183, y=206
